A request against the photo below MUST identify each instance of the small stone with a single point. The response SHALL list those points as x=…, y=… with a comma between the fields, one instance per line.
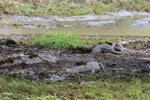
x=55, y=77
x=1, y=17
x=8, y=42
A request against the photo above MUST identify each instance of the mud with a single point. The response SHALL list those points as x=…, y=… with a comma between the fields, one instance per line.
x=41, y=63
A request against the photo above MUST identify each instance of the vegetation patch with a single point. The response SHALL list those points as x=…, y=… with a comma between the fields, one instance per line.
x=70, y=7
x=16, y=24
x=43, y=97
x=143, y=40
x=59, y=40
x=100, y=7
x=100, y=89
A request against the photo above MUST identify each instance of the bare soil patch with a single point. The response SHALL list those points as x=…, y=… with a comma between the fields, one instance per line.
x=38, y=63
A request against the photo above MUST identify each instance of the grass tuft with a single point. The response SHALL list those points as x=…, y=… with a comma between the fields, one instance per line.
x=59, y=40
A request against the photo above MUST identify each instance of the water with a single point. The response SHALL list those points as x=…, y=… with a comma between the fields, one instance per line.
x=121, y=23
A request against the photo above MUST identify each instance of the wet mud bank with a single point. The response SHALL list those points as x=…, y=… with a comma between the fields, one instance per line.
x=41, y=63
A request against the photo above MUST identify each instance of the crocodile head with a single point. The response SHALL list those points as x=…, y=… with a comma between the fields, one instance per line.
x=117, y=47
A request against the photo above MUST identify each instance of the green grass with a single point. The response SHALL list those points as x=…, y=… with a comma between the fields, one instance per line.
x=144, y=40
x=62, y=39
x=67, y=8
x=137, y=5
x=43, y=97
x=99, y=8
x=67, y=39
x=16, y=24
x=100, y=89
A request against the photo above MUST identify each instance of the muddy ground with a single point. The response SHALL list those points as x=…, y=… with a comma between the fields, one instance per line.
x=38, y=63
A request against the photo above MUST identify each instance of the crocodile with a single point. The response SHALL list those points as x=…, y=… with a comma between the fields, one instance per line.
x=114, y=48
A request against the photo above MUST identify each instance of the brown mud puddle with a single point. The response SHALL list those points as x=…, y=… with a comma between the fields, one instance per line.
x=38, y=63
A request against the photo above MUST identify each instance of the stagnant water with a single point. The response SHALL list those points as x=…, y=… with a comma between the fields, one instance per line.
x=120, y=23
